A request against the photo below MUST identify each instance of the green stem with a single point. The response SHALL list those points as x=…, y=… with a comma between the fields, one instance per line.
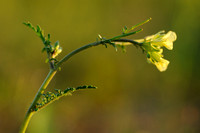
x=52, y=72
x=115, y=39
x=26, y=121
x=77, y=51
x=31, y=109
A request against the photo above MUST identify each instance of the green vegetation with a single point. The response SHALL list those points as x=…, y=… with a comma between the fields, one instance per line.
x=151, y=46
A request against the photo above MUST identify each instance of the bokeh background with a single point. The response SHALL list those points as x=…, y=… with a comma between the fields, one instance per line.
x=132, y=95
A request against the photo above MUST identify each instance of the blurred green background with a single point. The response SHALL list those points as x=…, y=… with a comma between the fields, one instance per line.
x=132, y=95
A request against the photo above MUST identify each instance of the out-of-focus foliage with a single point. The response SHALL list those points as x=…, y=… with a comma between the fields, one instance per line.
x=132, y=96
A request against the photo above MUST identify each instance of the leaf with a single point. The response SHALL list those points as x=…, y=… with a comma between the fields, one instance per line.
x=29, y=25
x=37, y=30
x=50, y=97
x=139, y=24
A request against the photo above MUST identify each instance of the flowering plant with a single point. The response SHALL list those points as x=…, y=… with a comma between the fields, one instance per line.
x=152, y=45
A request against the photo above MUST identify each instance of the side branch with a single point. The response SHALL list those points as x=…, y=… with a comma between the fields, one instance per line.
x=64, y=59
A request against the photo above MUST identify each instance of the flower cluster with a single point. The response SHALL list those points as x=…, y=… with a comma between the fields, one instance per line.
x=153, y=44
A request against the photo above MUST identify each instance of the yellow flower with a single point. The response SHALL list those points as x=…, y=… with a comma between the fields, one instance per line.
x=161, y=39
x=153, y=44
x=162, y=64
x=155, y=58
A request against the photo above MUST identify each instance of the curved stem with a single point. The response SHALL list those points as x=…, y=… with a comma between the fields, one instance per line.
x=91, y=45
x=31, y=109
x=77, y=51
x=26, y=121
x=52, y=72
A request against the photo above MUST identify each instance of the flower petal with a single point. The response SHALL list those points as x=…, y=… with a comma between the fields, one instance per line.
x=162, y=64
x=168, y=45
x=170, y=36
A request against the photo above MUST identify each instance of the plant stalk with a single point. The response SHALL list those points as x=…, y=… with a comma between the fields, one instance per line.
x=52, y=72
x=64, y=59
x=31, y=110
